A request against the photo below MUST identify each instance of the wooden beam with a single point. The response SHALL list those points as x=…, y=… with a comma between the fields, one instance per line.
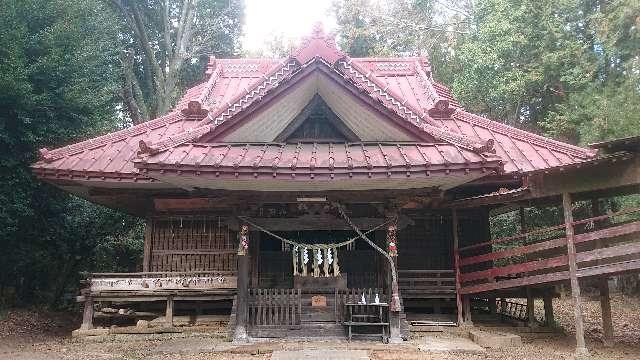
x=466, y=304
x=591, y=177
x=87, y=314
x=148, y=238
x=581, y=348
x=534, y=265
x=516, y=251
x=456, y=264
x=240, y=333
x=531, y=315
x=505, y=284
x=548, y=309
x=168, y=317
x=605, y=305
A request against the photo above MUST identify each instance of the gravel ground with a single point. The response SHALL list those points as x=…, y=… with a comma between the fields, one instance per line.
x=44, y=335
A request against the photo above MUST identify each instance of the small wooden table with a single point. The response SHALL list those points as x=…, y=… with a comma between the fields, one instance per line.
x=369, y=315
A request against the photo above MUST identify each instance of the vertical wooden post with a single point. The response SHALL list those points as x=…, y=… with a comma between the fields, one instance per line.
x=466, y=311
x=394, y=316
x=492, y=306
x=581, y=348
x=255, y=260
x=87, y=314
x=531, y=315
x=168, y=317
x=548, y=309
x=605, y=304
x=603, y=285
x=456, y=264
x=240, y=334
x=148, y=238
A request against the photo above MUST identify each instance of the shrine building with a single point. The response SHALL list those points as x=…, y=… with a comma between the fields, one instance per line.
x=286, y=193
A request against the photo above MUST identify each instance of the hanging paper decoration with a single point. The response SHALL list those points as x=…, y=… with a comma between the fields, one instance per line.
x=329, y=257
x=319, y=256
x=295, y=260
x=244, y=240
x=305, y=261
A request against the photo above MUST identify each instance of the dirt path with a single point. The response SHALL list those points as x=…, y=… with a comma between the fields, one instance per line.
x=40, y=335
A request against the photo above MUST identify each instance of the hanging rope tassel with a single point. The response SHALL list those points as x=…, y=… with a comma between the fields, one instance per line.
x=295, y=260
x=326, y=262
x=316, y=269
x=336, y=267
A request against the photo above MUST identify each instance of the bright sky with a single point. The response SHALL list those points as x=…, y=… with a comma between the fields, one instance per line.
x=292, y=19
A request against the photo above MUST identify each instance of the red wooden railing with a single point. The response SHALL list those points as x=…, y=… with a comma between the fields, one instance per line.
x=603, y=250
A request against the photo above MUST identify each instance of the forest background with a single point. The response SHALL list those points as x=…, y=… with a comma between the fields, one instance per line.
x=72, y=69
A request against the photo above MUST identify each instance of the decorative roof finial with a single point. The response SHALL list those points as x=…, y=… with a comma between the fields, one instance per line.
x=318, y=30
x=317, y=45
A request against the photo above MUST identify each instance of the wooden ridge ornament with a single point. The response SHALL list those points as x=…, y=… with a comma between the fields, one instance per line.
x=243, y=245
x=392, y=239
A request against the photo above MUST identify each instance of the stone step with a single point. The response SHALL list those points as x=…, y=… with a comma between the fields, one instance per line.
x=305, y=329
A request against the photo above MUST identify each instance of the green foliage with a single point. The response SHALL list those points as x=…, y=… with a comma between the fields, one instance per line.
x=59, y=79
x=567, y=68
x=168, y=44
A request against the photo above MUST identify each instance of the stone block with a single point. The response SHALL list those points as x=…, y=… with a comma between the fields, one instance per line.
x=494, y=340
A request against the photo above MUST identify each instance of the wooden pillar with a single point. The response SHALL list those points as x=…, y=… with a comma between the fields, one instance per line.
x=466, y=304
x=603, y=285
x=531, y=314
x=168, y=316
x=581, y=348
x=240, y=334
x=255, y=260
x=548, y=310
x=392, y=247
x=87, y=314
x=456, y=264
x=605, y=304
x=148, y=238
x=493, y=308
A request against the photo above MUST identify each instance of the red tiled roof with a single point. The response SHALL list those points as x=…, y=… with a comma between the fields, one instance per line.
x=404, y=86
x=274, y=160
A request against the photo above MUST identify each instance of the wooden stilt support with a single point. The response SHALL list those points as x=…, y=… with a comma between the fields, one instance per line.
x=148, y=238
x=168, y=317
x=548, y=310
x=240, y=334
x=394, y=316
x=605, y=304
x=466, y=304
x=581, y=349
x=531, y=313
x=492, y=306
x=603, y=285
x=87, y=314
x=456, y=264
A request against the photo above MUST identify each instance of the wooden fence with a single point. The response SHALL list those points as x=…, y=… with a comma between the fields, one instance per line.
x=286, y=307
x=192, y=243
x=426, y=284
x=274, y=307
x=533, y=258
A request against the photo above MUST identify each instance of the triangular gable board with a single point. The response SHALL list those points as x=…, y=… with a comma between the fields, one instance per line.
x=317, y=123
x=268, y=121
